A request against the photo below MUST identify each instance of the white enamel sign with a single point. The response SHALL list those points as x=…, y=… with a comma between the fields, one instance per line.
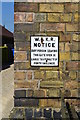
x=44, y=51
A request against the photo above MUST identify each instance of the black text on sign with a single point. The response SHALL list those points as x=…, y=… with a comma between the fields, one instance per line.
x=44, y=51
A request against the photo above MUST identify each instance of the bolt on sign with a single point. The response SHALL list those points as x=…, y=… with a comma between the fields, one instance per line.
x=44, y=51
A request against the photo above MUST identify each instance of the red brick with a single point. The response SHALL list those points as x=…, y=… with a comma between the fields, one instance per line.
x=73, y=65
x=19, y=17
x=69, y=7
x=29, y=17
x=25, y=7
x=65, y=37
x=23, y=17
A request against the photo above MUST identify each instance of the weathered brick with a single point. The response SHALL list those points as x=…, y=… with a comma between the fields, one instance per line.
x=19, y=27
x=20, y=93
x=42, y=102
x=20, y=46
x=64, y=56
x=78, y=75
x=67, y=93
x=26, y=102
x=54, y=103
x=64, y=75
x=19, y=75
x=76, y=17
x=53, y=93
x=40, y=17
x=39, y=74
x=76, y=37
x=29, y=92
x=65, y=37
x=53, y=17
x=52, y=27
x=75, y=46
x=26, y=84
x=39, y=93
x=29, y=17
x=61, y=47
x=25, y=7
x=21, y=65
x=29, y=75
x=51, y=75
x=19, y=17
x=71, y=84
x=50, y=103
x=72, y=74
x=69, y=7
x=51, y=7
x=20, y=37
x=42, y=74
x=67, y=47
x=51, y=84
x=71, y=27
x=65, y=17
x=73, y=65
x=74, y=93
x=75, y=56
x=20, y=56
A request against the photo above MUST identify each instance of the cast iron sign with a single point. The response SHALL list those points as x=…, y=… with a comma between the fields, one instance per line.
x=44, y=51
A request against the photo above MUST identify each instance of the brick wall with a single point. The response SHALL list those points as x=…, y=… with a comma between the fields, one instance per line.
x=60, y=19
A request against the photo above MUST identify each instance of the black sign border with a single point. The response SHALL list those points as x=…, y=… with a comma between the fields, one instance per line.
x=44, y=36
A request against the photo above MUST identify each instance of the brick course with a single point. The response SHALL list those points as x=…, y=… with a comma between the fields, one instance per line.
x=52, y=19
